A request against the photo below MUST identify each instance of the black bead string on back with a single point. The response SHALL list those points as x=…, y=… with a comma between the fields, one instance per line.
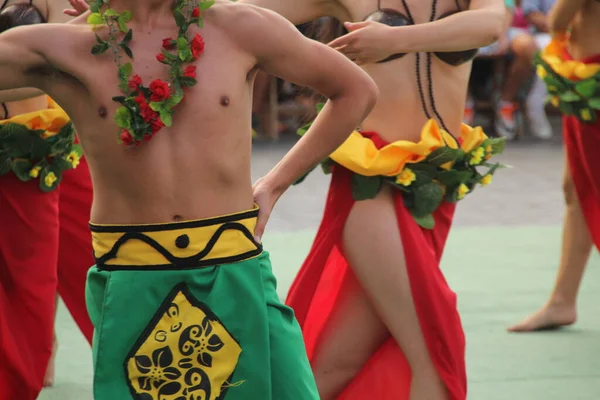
x=430, y=78
x=418, y=64
x=429, y=74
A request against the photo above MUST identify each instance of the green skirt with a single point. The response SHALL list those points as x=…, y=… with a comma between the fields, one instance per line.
x=189, y=311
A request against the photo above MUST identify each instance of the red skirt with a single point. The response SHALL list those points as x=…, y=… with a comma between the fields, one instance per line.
x=316, y=290
x=45, y=246
x=582, y=143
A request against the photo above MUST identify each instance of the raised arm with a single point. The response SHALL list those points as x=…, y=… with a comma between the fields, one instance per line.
x=480, y=25
x=19, y=58
x=282, y=51
x=562, y=14
x=52, y=10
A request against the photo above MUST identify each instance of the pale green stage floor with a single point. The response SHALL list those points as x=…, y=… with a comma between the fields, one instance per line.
x=500, y=275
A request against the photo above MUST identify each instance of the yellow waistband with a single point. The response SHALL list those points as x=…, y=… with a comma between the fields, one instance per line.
x=360, y=155
x=179, y=245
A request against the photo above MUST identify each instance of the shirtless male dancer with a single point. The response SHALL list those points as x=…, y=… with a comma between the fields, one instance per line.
x=182, y=297
x=581, y=182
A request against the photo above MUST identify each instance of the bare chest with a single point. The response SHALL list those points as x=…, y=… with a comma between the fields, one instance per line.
x=222, y=75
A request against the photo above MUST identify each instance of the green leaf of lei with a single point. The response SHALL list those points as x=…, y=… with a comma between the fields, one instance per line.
x=426, y=222
x=365, y=187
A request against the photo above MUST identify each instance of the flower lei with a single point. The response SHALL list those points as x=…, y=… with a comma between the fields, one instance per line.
x=573, y=86
x=146, y=110
x=444, y=174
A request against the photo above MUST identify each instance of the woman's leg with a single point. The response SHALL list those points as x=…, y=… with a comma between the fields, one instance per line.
x=384, y=306
x=560, y=309
x=50, y=371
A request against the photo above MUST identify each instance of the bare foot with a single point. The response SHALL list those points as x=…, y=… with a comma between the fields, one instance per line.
x=549, y=317
x=49, y=377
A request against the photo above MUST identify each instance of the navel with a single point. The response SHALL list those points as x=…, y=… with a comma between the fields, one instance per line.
x=177, y=218
x=224, y=101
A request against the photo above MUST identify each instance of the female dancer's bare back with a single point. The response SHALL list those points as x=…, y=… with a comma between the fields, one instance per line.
x=379, y=302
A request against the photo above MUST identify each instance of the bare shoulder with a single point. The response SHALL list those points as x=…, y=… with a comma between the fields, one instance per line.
x=251, y=26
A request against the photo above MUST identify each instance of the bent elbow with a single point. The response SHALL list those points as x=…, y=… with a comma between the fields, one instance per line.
x=495, y=25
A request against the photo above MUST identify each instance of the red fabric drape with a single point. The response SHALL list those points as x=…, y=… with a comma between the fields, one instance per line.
x=316, y=290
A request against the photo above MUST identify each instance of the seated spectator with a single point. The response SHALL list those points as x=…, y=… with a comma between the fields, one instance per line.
x=527, y=35
x=498, y=49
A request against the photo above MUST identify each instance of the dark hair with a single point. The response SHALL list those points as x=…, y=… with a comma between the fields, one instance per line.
x=18, y=15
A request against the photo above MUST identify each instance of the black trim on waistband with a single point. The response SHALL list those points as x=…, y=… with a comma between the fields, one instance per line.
x=213, y=262
x=179, y=263
x=171, y=226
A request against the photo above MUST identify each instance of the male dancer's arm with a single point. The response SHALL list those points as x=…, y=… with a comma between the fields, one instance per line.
x=53, y=12
x=19, y=58
x=281, y=50
x=562, y=14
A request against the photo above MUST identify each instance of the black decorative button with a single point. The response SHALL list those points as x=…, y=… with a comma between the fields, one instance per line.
x=182, y=241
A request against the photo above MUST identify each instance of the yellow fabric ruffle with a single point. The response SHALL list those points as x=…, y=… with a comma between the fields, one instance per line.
x=570, y=69
x=360, y=155
x=51, y=120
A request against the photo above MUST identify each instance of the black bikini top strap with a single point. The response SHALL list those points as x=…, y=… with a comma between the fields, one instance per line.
x=4, y=5
x=378, y=4
x=5, y=110
x=458, y=5
x=407, y=11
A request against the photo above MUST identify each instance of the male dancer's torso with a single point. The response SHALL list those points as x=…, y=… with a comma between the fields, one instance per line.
x=181, y=174
x=585, y=31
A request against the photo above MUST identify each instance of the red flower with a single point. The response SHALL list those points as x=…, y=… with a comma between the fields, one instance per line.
x=148, y=137
x=135, y=82
x=196, y=12
x=160, y=90
x=190, y=71
x=147, y=113
x=161, y=57
x=169, y=43
x=140, y=99
x=156, y=125
x=126, y=137
x=197, y=45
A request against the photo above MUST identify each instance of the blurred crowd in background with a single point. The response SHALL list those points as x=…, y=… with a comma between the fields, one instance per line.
x=504, y=91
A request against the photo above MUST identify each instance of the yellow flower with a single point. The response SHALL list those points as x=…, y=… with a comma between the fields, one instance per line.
x=462, y=191
x=406, y=177
x=486, y=180
x=541, y=71
x=586, y=71
x=471, y=137
x=50, y=179
x=477, y=156
x=35, y=172
x=586, y=114
x=555, y=101
x=73, y=158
